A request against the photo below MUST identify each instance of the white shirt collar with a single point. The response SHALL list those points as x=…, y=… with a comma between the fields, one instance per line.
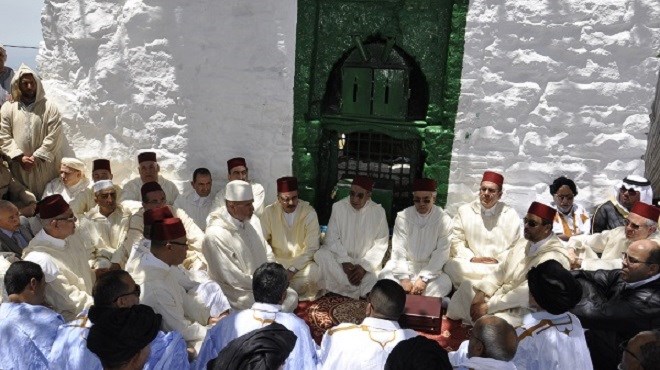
x=484, y=363
x=151, y=260
x=535, y=246
x=289, y=217
x=488, y=211
x=266, y=307
x=642, y=282
x=382, y=324
x=57, y=243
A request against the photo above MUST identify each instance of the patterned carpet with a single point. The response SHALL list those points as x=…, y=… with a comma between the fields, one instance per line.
x=332, y=309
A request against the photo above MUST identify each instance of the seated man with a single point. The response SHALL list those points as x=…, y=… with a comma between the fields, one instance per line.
x=85, y=200
x=16, y=192
x=642, y=351
x=551, y=337
x=121, y=338
x=161, y=287
x=572, y=219
x=483, y=232
x=418, y=353
x=27, y=327
x=72, y=180
x=62, y=255
x=269, y=285
x=105, y=225
x=492, y=345
x=291, y=228
x=237, y=169
x=153, y=196
x=355, y=243
x=198, y=200
x=149, y=172
x=234, y=248
x=617, y=304
x=641, y=223
x=14, y=237
x=420, y=244
x=350, y=346
x=115, y=289
x=627, y=192
x=505, y=293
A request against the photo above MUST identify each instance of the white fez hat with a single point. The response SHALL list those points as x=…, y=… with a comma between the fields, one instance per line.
x=74, y=163
x=238, y=190
x=102, y=185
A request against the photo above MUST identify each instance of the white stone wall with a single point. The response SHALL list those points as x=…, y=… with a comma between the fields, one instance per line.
x=199, y=81
x=554, y=88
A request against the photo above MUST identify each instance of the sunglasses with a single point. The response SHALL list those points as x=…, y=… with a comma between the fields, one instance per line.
x=630, y=191
x=632, y=260
x=422, y=200
x=135, y=292
x=531, y=223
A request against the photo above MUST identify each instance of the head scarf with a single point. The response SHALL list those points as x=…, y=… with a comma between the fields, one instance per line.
x=418, y=353
x=553, y=287
x=638, y=183
x=262, y=349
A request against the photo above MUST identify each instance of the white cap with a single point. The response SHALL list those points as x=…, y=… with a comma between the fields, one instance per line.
x=238, y=190
x=101, y=185
x=74, y=163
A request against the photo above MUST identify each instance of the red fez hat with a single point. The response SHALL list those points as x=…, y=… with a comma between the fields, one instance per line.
x=156, y=214
x=286, y=184
x=167, y=229
x=147, y=157
x=493, y=177
x=546, y=213
x=364, y=182
x=101, y=164
x=646, y=210
x=424, y=185
x=51, y=206
x=235, y=162
x=148, y=187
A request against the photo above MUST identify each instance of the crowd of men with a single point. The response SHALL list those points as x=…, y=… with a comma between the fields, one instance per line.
x=102, y=276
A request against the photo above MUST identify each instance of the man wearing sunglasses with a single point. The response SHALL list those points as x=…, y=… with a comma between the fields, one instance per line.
x=505, y=293
x=641, y=223
x=63, y=256
x=355, y=243
x=627, y=192
x=420, y=244
x=617, y=304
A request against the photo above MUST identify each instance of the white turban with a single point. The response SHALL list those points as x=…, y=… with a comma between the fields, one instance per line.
x=102, y=185
x=638, y=183
x=238, y=190
x=74, y=163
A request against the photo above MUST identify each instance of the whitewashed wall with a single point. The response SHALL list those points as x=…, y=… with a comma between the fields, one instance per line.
x=199, y=81
x=554, y=87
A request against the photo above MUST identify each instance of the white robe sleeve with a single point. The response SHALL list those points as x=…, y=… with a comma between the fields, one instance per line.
x=399, y=242
x=440, y=254
x=373, y=259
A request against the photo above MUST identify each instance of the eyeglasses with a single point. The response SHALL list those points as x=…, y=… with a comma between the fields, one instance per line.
x=632, y=225
x=354, y=194
x=422, y=200
x=292, y=199
x=179, y=244
x=565, y=197
x=484, y=189
x=67, y=219
x=135, y=292
x=632, y=260
x=531, y=223
x=630, y=191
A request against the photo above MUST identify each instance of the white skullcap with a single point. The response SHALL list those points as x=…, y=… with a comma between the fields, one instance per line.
x=102, y=184
x=238, y=190
x=638, y=183
x=74, y=163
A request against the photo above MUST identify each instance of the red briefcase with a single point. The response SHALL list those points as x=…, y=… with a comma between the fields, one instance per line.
x=422, y=314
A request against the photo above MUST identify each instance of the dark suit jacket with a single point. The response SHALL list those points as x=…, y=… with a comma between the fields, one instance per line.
x=7, y=244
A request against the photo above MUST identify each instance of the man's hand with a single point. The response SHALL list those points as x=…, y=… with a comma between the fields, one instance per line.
x=290, y=274
x=356, y=276
x=574, y=260
x=27, y=163
x=348, y=268
x=488, y=260
x=419, y=287
x=479, y=307
x=407, y=285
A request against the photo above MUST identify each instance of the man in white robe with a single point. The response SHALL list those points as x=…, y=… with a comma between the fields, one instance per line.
x=234, y=248
x=105, y=225
x=492, y=346
x=420, y=244
x=153, y=196
x=115, y=289
x=355, y=243
x=31, y=132
x=483, y=233
x=198, y=200
x=149, y=170
x=161, y=289
x=572, y=219
x=71, y=182
x=64, y=258
x=85, y=200
x=366, y=346
x=551, y=337
x=641, y=223
x=291, y=228
x=237, y=170
x=269, y=286
x=27, y=327
x=505, y=293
